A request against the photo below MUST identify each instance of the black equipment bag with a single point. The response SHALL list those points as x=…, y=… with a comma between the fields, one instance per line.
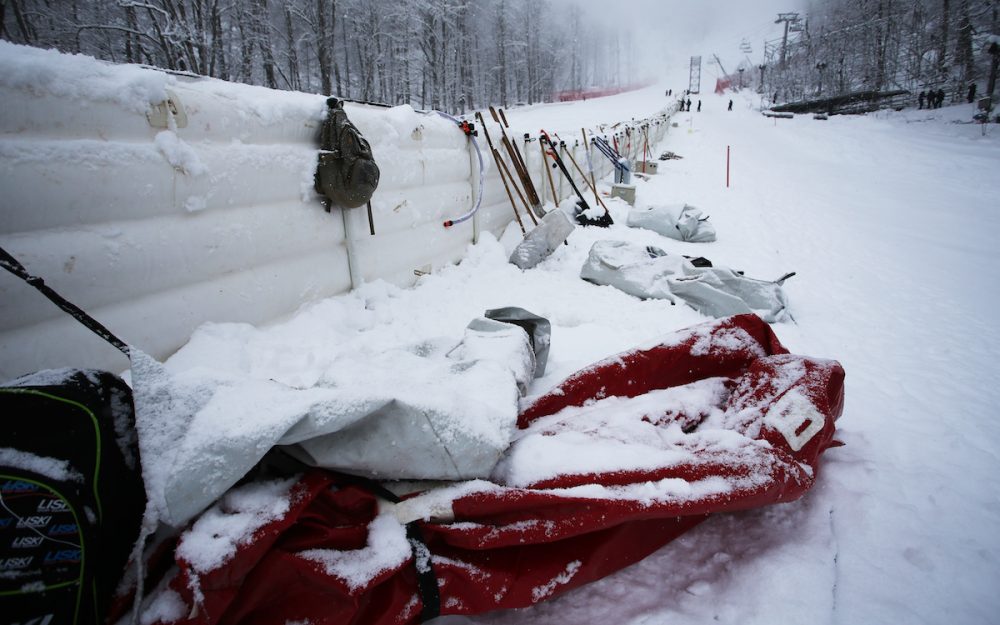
x=346, y=175
x=71, y=492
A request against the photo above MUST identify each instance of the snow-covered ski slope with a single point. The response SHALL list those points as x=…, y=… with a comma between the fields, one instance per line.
x=891, y=221
x=156, y=223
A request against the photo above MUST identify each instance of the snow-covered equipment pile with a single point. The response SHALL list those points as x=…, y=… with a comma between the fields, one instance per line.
x=650, y=273
x=676, y=221
x=544, y=239
x=617, y=460
x=203, y=429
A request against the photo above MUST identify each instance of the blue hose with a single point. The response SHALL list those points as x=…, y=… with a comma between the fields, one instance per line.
x=482, y=177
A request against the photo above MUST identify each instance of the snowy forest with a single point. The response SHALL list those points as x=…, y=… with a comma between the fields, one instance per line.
x=846, y=46
x=452, y=55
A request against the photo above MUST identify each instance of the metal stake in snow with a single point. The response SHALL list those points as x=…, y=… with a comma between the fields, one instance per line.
x=727, y=166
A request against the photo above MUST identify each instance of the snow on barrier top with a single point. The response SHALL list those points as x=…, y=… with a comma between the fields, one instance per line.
x=158, y=202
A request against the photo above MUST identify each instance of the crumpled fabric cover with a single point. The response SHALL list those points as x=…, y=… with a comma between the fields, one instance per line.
x=539, y=331
x=199, y=435
x=676, y=221
x=735, y=422
x=651, y=273
x=544, y=239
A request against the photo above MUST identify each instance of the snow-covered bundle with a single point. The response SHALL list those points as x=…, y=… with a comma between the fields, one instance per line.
x=676, y=221
x=611, y=464
x=649, y=272
x=403, y=413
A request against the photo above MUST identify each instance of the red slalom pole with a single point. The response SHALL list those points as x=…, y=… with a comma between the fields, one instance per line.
x=727, y=166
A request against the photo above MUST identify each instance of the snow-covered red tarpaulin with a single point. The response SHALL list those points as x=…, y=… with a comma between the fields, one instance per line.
x=613, y=463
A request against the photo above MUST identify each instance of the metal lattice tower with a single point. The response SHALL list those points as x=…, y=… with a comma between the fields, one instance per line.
x=694, y=81
x=792, y=23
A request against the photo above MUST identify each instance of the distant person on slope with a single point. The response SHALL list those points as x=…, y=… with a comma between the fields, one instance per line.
x=920, y=100
x=972, y=93
x=730, y=105
x=688, y=109
x=699, y=106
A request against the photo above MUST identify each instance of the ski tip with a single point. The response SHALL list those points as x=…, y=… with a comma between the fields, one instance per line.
x=449, y=224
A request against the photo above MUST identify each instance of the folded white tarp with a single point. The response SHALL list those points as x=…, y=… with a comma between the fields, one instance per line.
x=677, y=221
x=406, y=413
x=650, y=273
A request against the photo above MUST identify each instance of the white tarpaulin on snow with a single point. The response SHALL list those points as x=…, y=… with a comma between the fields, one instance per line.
x=424, y=411
x=676, y=221
x=649, y=272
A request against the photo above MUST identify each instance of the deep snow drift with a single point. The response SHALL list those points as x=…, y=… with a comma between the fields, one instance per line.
x=888, y=220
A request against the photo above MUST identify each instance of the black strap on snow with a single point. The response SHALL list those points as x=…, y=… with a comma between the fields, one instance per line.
x=12, y=265
x=279, y=463
x=782, y=279
x=427, y=583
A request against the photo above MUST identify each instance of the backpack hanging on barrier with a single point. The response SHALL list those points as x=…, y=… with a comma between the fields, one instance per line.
x=346, y=174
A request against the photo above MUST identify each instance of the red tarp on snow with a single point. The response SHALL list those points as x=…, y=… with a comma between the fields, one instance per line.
x=513, y=547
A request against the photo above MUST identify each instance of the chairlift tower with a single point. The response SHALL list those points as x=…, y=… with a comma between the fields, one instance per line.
x=694, y=78
x=790, y=19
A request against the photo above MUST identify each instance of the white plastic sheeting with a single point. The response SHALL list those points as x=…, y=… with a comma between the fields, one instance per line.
x=650, y=273
x=156, y=222
x=682, y=222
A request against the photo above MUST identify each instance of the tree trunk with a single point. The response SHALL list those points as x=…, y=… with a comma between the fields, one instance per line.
x=502, y=50
x=263, y=32
x=945, y=27
x=293, y=55
x=322, y=48
x=963, y=53
x=28, y=34
x=219, y=69
x=346, y=88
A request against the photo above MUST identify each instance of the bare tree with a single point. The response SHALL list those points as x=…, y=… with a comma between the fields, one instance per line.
x=448, y=54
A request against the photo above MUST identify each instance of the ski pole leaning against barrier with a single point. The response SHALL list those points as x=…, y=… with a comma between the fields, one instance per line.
x=501, y=167
x=585, y=179
x=581, y=207
x=519, y=166
x=623, y=171
x=526, y=201
x=590, y=165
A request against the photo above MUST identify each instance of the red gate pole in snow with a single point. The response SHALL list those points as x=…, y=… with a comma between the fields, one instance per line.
x=727, y=166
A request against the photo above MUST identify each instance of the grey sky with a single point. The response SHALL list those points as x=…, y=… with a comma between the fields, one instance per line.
x=669, y=32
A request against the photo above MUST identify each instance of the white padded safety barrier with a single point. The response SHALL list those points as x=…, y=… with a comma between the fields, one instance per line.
x=158, y=202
